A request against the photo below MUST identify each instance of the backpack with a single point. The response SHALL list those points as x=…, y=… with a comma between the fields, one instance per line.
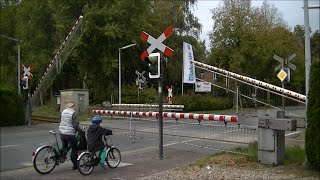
x=81, y=141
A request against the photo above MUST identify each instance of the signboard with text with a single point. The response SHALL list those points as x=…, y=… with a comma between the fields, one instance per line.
x=202, y=87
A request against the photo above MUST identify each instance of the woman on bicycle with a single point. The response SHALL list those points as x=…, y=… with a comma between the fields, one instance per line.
x=94, y=139
x=68, y=127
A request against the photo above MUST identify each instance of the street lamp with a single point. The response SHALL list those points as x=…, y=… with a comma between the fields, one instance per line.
x=125, y=47
x=18, y=61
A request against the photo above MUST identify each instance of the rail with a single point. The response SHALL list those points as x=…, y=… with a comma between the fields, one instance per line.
x=45, y=119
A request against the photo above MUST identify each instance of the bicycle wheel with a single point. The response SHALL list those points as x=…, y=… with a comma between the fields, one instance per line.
x=85, y=163
x=113, y=157
x=44, y=159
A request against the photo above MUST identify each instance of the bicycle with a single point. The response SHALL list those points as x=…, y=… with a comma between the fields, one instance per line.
x=48, y=156
x=88, y=160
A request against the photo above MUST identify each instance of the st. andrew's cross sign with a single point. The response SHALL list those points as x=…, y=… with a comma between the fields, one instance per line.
x=157, y=43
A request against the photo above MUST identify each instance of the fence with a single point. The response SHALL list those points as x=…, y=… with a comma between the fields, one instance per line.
x=213, y=135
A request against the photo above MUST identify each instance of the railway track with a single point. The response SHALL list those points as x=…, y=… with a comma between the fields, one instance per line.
x=44, y=119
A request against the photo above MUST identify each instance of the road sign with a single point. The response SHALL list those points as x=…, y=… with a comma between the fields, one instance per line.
x=282, y=75
x=157, y=43
x=141, y=81
x=292, y=66
x=26, y=72
x=285, y=65
x=280, y=60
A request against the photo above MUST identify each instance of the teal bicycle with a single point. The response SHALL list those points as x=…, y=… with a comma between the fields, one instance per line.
x=48, y=156
x=88, y=160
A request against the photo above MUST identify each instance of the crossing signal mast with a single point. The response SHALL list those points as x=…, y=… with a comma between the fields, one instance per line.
x=155, y=65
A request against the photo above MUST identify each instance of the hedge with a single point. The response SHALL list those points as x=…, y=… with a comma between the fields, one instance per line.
x=11, y=107
x=313, y=116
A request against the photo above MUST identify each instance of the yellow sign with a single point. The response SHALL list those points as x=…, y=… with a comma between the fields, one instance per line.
x=282, y=75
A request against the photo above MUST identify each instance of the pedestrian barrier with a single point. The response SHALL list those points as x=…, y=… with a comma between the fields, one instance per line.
x=146, y=107
x=199, y=117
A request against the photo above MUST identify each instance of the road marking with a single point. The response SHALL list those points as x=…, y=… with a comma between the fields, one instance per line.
x=293, y=133
x=26, y=164
x=122, y=164
x=6, y=146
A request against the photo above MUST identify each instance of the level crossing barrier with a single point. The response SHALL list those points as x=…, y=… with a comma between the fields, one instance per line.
x=199, y=117
x=142, y=107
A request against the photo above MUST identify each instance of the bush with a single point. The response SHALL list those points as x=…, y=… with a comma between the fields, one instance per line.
x=11, y=107
x=313, y=115
x=203, y=102
x=130, y=95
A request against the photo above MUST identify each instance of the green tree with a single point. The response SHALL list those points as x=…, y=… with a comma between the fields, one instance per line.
x=244, y=40
x=313, y=115
x=8, y=48
x=34, y=28
x=315, y=45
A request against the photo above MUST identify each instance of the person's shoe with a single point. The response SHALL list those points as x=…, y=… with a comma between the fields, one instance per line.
x=74, y=168
x=103, y=166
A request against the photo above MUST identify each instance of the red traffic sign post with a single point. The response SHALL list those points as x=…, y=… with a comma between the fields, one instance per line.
x=157, y=43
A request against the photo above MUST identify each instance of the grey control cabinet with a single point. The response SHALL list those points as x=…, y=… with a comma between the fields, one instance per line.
x=271, y=139
x=271, y=146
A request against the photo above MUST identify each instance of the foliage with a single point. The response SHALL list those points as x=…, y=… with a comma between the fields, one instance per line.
x=245, y=38
x=294, y=155
x=130, y=95
x=199, y=102
x=50, y=109
x=313, y=117
x=8, y=52
x=11, y=107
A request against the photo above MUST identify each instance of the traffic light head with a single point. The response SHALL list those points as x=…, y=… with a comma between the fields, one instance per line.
x=24, y=82
x=153, y=61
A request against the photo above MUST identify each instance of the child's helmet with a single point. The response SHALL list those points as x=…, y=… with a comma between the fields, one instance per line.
x=96, y=119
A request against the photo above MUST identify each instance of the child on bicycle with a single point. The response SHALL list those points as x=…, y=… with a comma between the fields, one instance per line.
x=94, y=138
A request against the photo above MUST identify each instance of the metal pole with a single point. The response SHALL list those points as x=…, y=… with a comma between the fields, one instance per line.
x=18, y=69
x=125, y=47
x=120, y=76
x=160, y=109
x=237, y=100
x=29, y=108
x=307, y=63
x=307, y=47
x=182, y=73
x=283, y=100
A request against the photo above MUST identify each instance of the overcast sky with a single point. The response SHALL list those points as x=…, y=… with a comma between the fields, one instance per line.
x=291, y=10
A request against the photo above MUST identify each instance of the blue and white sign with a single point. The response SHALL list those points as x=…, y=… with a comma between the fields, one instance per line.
x=189, y=75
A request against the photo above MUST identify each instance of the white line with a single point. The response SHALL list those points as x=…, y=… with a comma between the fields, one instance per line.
x=122, y=164
x=8, y=146
x=26, y=164
x=293, y=133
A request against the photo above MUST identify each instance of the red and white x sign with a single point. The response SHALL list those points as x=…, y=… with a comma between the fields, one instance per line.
x=26, y=72
x=157, y=43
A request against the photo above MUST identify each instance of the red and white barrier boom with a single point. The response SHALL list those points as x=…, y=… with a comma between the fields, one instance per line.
x=199, y=117
x=290, y=94
x=149, y=106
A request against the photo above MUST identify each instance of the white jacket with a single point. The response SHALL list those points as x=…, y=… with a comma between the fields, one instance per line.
x=66, y=125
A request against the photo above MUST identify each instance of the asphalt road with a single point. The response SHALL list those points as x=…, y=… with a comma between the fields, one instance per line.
x=18, y=144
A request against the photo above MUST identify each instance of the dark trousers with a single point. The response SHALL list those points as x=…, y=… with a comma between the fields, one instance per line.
x=70, y=139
